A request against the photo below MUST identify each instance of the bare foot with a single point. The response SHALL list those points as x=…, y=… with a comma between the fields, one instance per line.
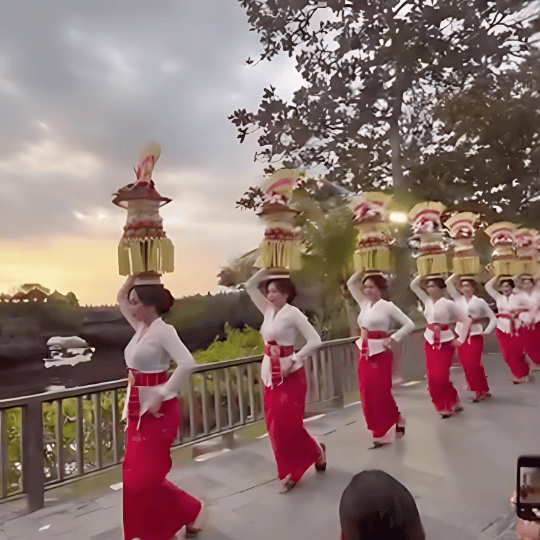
x=288, y=484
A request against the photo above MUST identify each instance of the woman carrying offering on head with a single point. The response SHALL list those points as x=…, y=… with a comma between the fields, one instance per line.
x=501, y=289
x=528, y=292
x=284, y=377
x=439, y=342
x=153, y=507
x=376, y=318
x=470, y=352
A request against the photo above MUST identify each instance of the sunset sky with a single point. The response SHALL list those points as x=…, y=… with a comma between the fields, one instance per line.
x=83, y=87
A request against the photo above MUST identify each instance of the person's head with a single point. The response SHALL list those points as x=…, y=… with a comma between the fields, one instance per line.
x=506, y=286
x=280, y=291
x=527, y=283
x=149, y=301
x=467, y=286
x=375, y=287
x=435, y=288
x=375, y=506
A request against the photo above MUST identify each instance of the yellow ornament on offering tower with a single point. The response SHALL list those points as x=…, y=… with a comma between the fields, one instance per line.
x=281, y=247
x=144, y=248
x=425, y=219
x=505, y=261
x=373, y=253
x=461, y=227
x=524, y=240
x=536, y=244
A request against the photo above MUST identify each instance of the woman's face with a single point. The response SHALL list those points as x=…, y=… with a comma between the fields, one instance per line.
x=466, y=288
x=527, y=284
x=371, y=290
x=506, y=288
x=433, y=290
x=138, y=309
x=274, y=295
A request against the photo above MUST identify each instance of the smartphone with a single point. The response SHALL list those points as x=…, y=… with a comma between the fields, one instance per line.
x=528, y=488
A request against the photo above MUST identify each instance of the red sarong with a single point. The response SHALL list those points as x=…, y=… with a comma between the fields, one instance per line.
x=375, y=382
x=530, y=336
x=470, y=357
x=153, y=507
x=442, y=391
x=284, y=405
x=512, y=349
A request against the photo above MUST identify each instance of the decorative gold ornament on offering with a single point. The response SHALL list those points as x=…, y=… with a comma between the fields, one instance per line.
x=505, y=261
x=461, y=227
x=524, y=240
x=433, y=251
x=536, y=243
x=144, y=248
x=281, y=247
x=373, y=253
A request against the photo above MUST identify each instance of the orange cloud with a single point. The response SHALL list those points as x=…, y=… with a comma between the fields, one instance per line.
x=88, y=267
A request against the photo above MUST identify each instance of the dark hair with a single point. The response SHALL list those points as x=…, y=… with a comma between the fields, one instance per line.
x=439, y=281
x=156, y=296
x=507, y=280
x=375, y=506
x=284, y=286
x=380, y=282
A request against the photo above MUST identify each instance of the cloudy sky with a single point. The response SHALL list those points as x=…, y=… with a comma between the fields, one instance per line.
x=83, y=86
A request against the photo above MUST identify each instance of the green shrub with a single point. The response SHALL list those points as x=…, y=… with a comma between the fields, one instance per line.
x=238, y=344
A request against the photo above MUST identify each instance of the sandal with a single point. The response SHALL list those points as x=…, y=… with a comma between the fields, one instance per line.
x=192, y=531
x=320, y=464
x=377, y=444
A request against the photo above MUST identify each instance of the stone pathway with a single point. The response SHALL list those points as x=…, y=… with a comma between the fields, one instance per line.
x=460, y=470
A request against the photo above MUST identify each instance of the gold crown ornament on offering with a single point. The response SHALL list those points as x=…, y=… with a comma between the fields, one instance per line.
x=144, y=248
x=370, y=218
x=461, y=228
x=281, y=247
x=525, y=242
x=502, y=238
x=432, y=256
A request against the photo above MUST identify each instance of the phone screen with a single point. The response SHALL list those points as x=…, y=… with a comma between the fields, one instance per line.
x=528, y=488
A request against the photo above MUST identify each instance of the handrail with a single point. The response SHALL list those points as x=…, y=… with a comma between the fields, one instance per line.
x=220, y=398
x=110, y=385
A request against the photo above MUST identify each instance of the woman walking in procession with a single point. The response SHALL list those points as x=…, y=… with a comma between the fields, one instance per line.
x=153, y=508
x=508, y=323
x=439, y=342
x=284, y=377
x=375, y=357
x=528, y=293
x=470, y=352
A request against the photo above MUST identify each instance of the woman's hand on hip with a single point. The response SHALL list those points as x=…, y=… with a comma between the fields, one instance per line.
x=387, y=343
x=156, y=405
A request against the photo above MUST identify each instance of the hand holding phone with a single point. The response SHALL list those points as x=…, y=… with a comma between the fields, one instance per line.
x=528, y=488
x=528, y=530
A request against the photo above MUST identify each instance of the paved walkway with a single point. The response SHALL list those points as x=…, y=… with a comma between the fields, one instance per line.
x=461, y=471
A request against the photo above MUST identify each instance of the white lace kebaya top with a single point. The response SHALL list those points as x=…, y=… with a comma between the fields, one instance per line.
x=378, y=317
x=282, y=327
x=151, y=350
x=529, y=304
x=443, y=311
x=508, y=305
x=476, y=308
